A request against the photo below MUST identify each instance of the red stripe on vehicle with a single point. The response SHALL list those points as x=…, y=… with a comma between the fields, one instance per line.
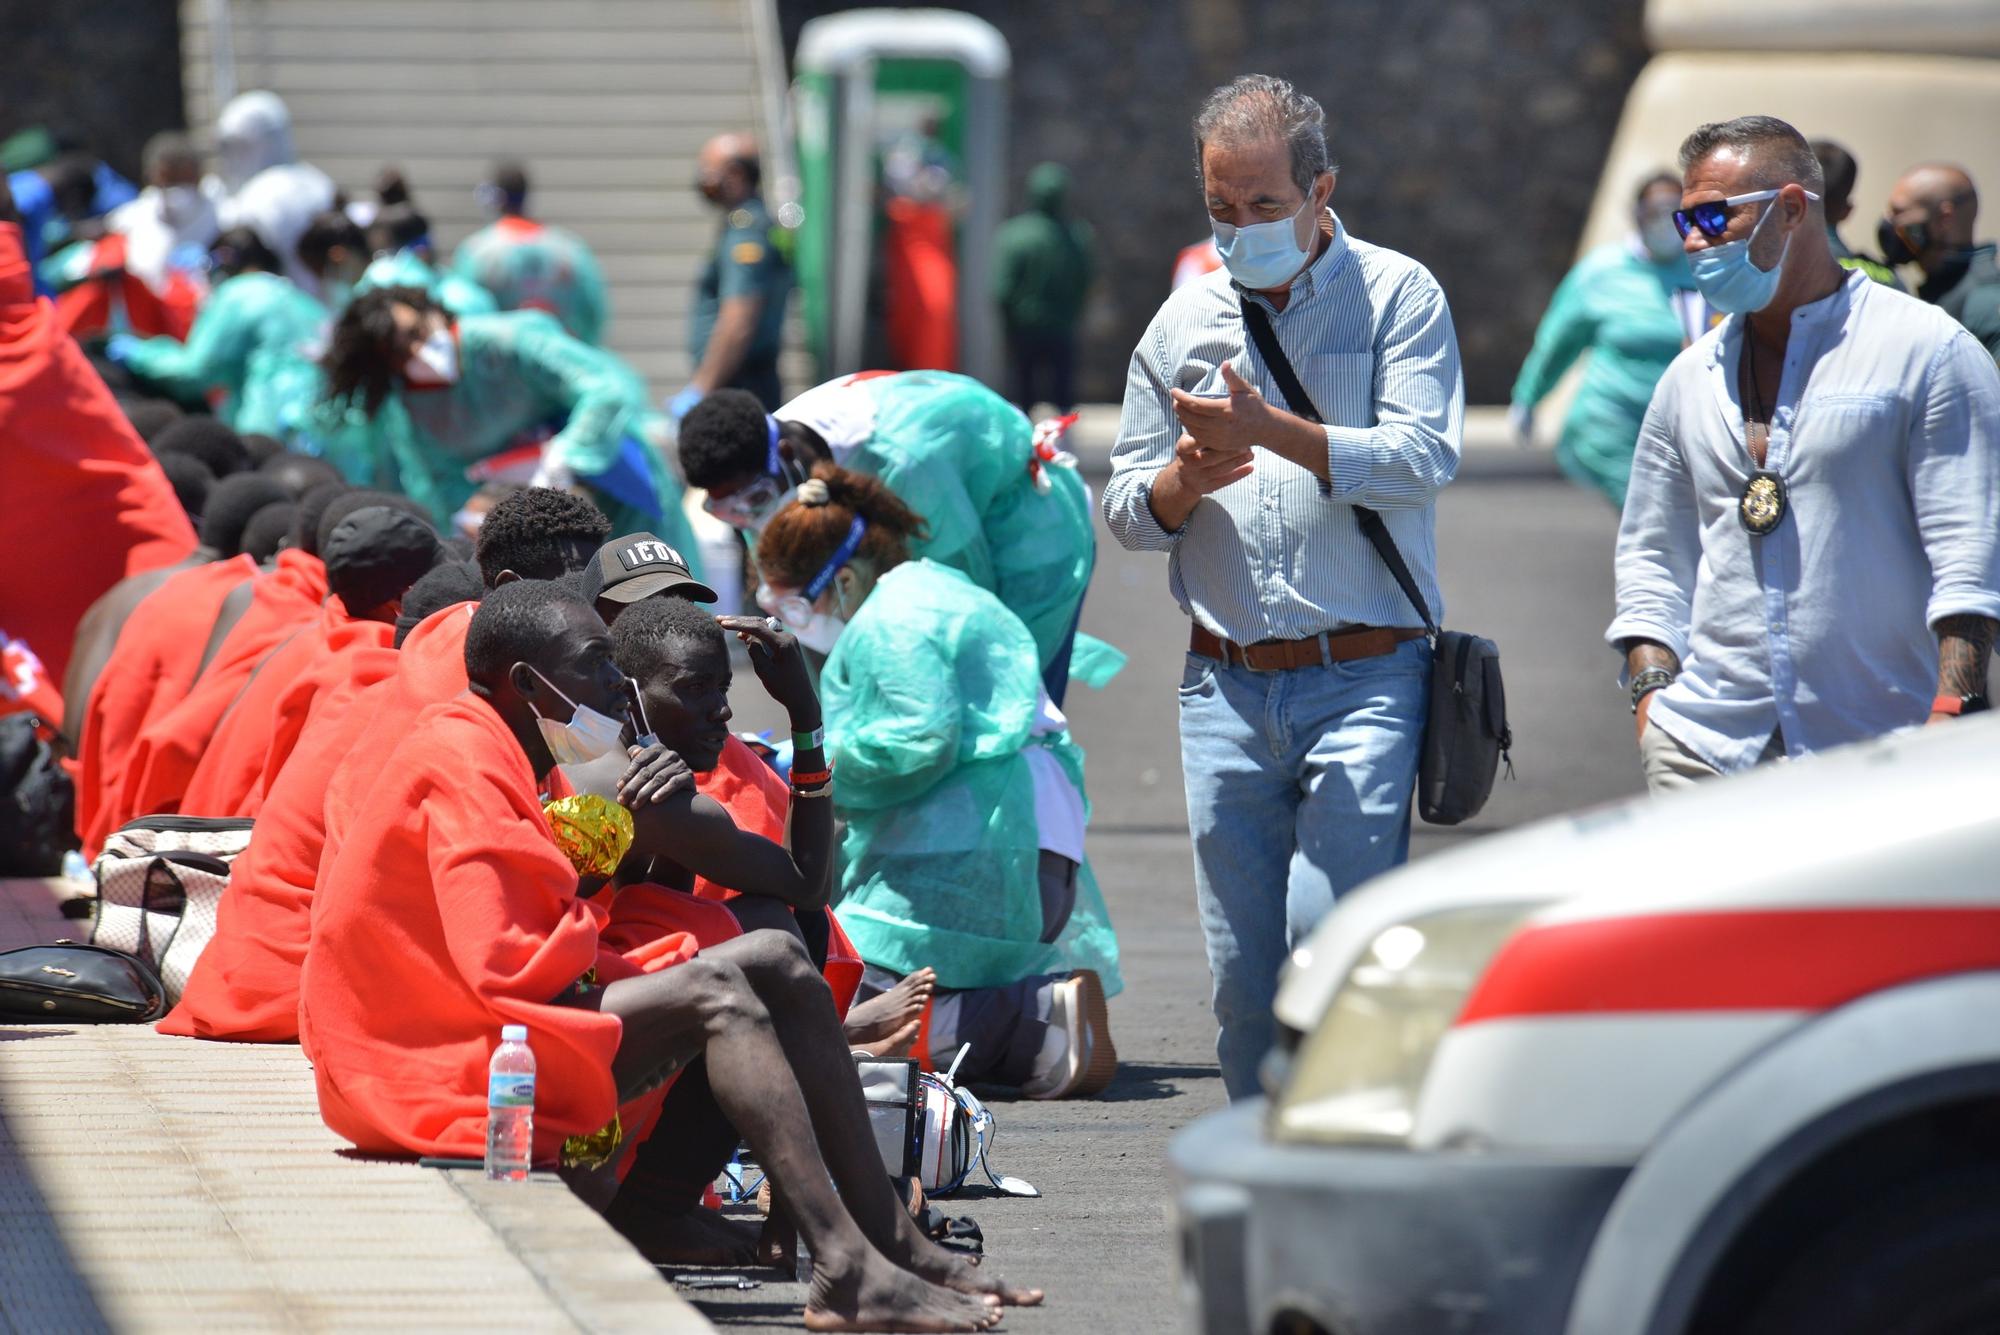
x=1789, y=959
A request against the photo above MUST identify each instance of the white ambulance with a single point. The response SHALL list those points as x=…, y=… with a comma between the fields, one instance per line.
x=1725, y=1061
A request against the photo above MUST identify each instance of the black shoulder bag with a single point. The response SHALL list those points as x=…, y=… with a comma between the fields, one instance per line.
x=1465, y=730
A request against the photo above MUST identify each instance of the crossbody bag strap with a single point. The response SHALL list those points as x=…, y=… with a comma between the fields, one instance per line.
x=1300, y=402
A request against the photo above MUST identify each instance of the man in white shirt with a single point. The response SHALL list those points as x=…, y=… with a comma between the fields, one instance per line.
x=1809, y=554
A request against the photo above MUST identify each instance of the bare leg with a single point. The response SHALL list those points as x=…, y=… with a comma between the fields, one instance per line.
x=797, y=996
x=887, y=1013
x=707, y=1006
x=762, y=912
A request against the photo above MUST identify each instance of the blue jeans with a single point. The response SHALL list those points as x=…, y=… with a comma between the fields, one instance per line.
x=1298, y=789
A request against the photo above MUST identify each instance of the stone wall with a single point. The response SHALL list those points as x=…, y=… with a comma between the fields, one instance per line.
x=107, y=72
x=1470, y=134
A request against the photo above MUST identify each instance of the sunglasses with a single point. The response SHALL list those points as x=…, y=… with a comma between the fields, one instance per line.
x=1712, y=215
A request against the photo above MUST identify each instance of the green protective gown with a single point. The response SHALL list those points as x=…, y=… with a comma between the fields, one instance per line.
x=1615, y=305
x=930, y=695
x=255, y=339
x=519, y=374
x=529, y=266
x=958, y=454
x=404, y=268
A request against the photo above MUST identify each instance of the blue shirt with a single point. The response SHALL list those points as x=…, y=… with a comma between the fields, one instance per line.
x=1280, y=555
x=1886, y=432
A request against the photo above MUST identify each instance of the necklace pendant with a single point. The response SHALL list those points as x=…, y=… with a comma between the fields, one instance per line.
x=1762, y=506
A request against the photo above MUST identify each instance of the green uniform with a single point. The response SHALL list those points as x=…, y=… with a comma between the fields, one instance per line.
x=459, y=295
x=1043, y=260
x=1614, y=305
x=519, y=373
x=931, y=696
x=531, y=267
x=958, y=454
x=746, y=263
x=1967, y=289
x=255, y=339
x=1847, y=259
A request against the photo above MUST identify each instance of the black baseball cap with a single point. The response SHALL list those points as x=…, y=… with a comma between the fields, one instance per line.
x=375, y=553
x=638, y=566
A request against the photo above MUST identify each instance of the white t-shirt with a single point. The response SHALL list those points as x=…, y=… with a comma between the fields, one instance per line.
x=1058, y=805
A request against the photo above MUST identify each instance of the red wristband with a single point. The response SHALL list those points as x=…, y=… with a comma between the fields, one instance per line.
x=1948, y=704
x=812, y=780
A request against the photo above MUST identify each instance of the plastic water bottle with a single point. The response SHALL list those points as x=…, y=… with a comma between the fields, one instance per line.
x=510, y=1106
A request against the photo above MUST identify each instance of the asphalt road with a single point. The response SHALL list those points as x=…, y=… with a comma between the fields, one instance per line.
x=1526, y=560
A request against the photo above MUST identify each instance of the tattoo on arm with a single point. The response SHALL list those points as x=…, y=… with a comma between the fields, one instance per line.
x=1643, y=654
x=1965, y=647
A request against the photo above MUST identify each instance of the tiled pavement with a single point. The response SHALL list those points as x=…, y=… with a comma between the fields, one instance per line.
x=164, y=1184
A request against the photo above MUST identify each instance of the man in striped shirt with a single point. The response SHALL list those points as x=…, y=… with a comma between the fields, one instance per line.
x=1302, y=703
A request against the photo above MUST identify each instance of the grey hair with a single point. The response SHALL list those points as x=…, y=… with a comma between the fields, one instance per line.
x=1778, y=154
x=1253, y=107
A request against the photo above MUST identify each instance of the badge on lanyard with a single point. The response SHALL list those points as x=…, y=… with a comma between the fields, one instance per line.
x=1761, y=508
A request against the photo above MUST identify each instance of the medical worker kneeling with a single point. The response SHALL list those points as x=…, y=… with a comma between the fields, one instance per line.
x=961, y=790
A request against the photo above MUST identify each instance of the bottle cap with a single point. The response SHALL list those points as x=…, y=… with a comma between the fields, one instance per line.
x=514, y=1033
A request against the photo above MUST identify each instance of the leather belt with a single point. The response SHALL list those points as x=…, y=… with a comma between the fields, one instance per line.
x=1338, y=646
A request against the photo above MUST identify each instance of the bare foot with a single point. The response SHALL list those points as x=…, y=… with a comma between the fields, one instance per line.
x=696, y=1236
x=953, y=1270
x=878, y=1296
x=898, y=1044
x=880, y=1017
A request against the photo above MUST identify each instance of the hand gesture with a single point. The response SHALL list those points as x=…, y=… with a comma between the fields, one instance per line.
x=1230, y=425
x=779, y=663
x=654, y=775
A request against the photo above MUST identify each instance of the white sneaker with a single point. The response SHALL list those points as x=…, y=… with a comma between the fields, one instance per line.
x=1078, y=1058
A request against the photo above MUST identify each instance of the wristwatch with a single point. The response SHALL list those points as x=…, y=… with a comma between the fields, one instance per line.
x=1956, y=705
x=1646, y=681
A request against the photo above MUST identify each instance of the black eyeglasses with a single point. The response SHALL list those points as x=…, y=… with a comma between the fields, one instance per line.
x=1712, y=215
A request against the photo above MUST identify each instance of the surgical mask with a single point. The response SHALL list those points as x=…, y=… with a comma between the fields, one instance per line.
x=1902, y=245
x=815, y=629
x=1729, y=281
x=587, y=736
x=820, y=631
x=1662, y=242
x=434, y=361
x=180, y=205
x=1263, y=255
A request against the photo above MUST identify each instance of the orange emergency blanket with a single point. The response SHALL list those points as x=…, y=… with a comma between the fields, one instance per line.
x=149, y=672
x=258, y=733
x=446, y=912
x=163, y=761
x=83, y=502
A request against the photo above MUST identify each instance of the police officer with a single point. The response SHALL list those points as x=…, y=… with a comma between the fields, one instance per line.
x=739, y=304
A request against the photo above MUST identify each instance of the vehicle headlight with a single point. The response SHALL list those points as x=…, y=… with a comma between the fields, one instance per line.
x=1357, y=1075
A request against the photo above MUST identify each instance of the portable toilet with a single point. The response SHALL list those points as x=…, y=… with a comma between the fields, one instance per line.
x=900, y=123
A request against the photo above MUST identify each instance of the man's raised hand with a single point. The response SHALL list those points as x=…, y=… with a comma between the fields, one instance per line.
x=779, y=663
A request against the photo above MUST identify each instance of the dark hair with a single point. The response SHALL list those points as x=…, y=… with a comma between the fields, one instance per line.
x=391, y=186
x=1254, y=107
x=1652, y=181
x=397, y=226
x=190, y=480
x=534, y=531
x=448, y=583
x=801, y=538
x=643, y=636
x=511, y=180
x=300, y=472
x=347, y=502
x=241, y=250
x=1778, y=154
x=267, y=530
x=207, y=440
x=367, y=577
x=516, y=623
x=1838, y=169
x=311, y=509
x=262, y=448
x=325, y=232
x=150, y=417
x=231, y=502
x=725, y=436
x=360, y=362
x=168, y=148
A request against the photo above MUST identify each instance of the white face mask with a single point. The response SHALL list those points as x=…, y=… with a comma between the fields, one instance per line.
x=820, y=631
x=433, y=361
x=180, y=206
x=587, y=736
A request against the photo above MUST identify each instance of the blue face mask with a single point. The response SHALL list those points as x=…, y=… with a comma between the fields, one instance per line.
x=1263, y=256
x=1725, y=276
